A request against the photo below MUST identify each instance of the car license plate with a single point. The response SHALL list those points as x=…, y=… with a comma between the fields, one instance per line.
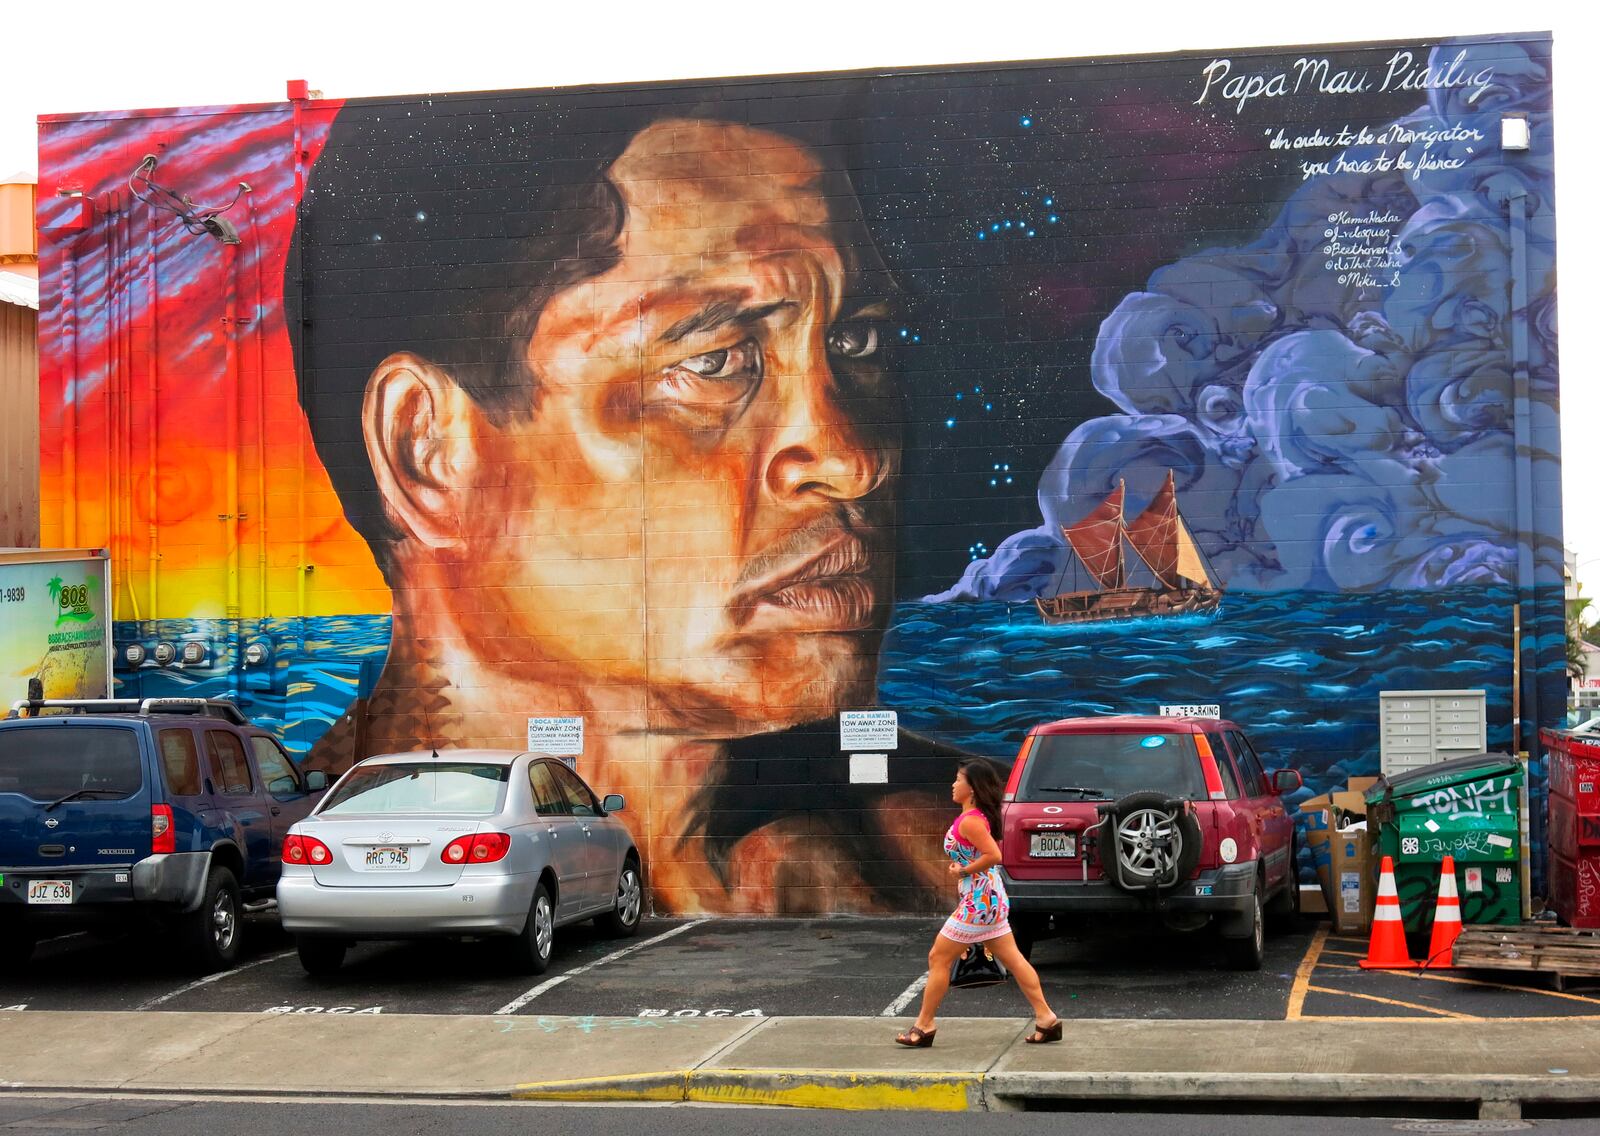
x=388, y=859
x=49, y=891
x=1052, y=844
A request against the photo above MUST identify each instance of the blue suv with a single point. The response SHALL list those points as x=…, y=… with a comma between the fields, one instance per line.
x=111, y=809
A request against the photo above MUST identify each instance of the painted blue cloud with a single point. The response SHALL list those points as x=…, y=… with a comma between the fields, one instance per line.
x=1324, y=433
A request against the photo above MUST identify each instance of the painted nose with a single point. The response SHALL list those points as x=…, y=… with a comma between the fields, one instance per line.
x=821, y=448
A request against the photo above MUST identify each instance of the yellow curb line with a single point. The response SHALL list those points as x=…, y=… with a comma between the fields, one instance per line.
x=792, y=1088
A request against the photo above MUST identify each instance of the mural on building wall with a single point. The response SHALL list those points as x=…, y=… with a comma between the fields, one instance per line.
x=705, y=412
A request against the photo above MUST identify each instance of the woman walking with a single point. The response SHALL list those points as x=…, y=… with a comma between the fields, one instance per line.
x=983, y=914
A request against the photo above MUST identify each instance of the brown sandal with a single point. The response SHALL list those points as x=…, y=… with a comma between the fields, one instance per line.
x=916, y=1038
x=1043, y=1035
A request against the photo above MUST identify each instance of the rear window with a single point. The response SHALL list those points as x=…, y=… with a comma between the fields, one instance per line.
x=47, y=763
x=1076, y=767
x=420, y=787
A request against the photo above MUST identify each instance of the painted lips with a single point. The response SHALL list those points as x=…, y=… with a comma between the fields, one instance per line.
x=831, y=589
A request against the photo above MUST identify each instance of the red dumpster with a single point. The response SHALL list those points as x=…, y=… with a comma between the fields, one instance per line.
x=1574, y=832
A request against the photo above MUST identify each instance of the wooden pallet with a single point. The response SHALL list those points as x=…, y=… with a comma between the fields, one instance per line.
x=1563, y=952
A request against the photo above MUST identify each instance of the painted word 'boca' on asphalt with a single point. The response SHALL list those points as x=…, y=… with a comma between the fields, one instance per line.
x=693, y=1013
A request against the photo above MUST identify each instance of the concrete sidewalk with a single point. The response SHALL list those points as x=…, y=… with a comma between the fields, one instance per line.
x=976, y=1063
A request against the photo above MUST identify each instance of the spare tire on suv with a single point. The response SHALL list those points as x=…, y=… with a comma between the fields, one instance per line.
x=1149, y=841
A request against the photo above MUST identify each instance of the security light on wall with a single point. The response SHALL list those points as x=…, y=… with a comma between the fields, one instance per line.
x=1514, y=133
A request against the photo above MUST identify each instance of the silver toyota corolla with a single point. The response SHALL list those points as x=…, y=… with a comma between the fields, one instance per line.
x=458, y=842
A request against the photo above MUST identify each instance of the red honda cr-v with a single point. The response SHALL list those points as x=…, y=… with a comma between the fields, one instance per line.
x=1173, y=817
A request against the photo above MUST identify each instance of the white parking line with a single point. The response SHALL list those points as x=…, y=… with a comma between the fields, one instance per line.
x=221, y=974
x=894, y=1009
x=522, y=1000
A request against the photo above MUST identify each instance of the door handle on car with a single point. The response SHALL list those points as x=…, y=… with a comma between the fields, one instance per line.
x=276, y=810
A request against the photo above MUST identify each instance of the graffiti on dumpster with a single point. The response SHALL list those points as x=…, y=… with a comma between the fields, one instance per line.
x=1477, y=798
x=1472, y=844
x=1485, y=892
x=1588, y=885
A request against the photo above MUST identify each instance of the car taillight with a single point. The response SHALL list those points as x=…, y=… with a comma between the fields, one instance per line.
x=163, y=837
x=481, y=848
x=305, y=850
x=1208, y=769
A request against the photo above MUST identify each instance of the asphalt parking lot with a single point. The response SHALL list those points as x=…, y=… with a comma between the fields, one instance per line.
x=727, y=967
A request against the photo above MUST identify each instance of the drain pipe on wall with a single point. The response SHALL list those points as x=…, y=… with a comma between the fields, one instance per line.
x=153, y=449
x=230, y=341
x=1517, y=208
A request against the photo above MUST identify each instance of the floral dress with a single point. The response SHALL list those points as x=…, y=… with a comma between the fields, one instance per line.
x=984, y=910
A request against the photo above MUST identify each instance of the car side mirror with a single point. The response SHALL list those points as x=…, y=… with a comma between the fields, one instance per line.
x=316, y=781
x=612, y=804
x=1287, y=781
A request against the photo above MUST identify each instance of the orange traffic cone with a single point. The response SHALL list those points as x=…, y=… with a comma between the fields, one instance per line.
x=1387, y=949
x=1446, y=918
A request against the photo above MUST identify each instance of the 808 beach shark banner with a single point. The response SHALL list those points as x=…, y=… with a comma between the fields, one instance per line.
x=705, y=412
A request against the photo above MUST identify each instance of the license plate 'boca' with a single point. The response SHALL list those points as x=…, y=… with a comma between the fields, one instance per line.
x=1046, y=844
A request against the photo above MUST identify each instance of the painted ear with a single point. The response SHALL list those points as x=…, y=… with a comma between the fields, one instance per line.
x=417, y=425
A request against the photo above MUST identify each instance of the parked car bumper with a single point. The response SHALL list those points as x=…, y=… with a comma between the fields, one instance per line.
x=1227, y=892
x=473, y=905
x=95, y=892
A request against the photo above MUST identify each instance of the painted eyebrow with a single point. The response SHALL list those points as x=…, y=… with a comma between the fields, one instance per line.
x=719, y=314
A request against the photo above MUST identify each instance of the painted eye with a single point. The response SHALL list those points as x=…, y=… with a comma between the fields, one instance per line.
x=853, y=340
x=713, y=381
x=707, y=366
x=735, y=362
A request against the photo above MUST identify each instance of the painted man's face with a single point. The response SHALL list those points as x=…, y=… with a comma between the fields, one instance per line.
x=699, y=501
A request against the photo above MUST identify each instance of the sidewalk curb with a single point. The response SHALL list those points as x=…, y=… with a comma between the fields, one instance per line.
x=792, y=1088
x=1489, y=1093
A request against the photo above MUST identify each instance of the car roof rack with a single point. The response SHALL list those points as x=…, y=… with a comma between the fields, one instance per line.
x=206, y=707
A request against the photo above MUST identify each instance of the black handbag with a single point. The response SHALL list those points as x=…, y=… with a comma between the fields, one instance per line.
x=977, y=968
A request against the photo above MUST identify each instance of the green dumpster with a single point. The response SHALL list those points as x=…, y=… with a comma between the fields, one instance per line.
x=1468, y=808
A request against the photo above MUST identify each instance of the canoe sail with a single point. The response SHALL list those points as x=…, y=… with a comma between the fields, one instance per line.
x=1159, y=538
x=1097, y=539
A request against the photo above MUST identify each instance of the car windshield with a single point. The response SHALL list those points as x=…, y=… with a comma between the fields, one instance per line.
x=419, y=787
x=1062, y=766
x=48, y=763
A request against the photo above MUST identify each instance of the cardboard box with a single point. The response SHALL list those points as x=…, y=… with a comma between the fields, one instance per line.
x=1351, y=891
x=1341, y=854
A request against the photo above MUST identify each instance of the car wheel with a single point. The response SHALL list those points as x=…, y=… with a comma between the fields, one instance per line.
x=213, y=930
x=1247, y=953
x=531, y=950
x=1154, y=842
x=623, y=918
x=320, y=957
